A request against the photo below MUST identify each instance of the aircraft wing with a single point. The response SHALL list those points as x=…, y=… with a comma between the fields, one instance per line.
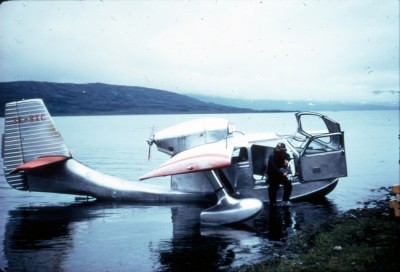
x=200, y=158
x=262, y=137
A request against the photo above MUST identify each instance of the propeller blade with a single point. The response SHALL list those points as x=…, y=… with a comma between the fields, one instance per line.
x=150, y=142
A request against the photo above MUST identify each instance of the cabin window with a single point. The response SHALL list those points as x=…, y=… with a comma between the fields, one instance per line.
x=324, y=144
x=312, y=125
x=240, y=155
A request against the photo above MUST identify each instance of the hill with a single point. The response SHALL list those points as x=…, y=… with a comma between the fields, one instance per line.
x=297, y=105
x=104, y=99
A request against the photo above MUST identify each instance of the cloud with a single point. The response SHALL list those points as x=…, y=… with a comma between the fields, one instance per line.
x=257, y=50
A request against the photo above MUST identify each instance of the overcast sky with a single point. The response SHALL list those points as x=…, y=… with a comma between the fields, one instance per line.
x=315, y=50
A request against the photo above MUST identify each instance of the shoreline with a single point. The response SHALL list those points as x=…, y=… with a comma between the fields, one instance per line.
x=365, y=239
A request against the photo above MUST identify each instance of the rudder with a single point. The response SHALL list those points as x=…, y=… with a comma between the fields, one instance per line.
x=29, y=133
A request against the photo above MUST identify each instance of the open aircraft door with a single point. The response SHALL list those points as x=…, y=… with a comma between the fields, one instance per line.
x=322, y=155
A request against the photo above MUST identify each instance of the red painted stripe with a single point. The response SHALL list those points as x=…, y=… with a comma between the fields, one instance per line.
x=172, y=161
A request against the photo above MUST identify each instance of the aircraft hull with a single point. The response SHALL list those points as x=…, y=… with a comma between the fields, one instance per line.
x=73, y=177
x=301, y=191
x=305, y=191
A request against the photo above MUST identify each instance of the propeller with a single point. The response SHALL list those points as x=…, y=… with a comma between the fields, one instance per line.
x=150, y=142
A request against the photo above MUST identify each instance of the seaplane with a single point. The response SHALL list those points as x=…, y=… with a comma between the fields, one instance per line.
x=211, y=162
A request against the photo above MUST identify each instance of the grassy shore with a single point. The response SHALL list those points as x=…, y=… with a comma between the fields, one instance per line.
x=359, y=240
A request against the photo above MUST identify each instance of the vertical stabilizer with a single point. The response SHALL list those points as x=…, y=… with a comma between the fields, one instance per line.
x=29, y=133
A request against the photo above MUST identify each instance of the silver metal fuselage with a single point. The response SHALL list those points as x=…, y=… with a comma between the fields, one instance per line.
x=73, y=177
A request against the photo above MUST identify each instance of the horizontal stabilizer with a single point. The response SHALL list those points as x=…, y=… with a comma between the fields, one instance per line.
x=200, y=158
x=39, y=162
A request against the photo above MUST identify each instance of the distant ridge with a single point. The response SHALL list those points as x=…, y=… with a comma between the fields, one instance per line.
x=104, y=99
x=298, y=105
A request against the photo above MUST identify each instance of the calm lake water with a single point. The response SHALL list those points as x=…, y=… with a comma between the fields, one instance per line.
x=51, y=232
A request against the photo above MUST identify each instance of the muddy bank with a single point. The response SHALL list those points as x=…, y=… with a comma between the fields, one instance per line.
x=359, y=240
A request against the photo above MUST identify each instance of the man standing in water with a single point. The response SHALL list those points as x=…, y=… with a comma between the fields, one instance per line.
x=277, y=171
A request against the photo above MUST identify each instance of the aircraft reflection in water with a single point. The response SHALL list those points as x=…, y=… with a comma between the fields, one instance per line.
x=92, y=236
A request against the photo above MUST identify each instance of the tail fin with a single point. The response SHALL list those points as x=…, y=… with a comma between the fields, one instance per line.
x=29, y=133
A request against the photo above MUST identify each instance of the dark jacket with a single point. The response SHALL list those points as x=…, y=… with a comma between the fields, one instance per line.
x=276, y=164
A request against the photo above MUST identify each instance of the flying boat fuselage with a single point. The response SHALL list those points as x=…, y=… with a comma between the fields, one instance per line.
x=210, y=162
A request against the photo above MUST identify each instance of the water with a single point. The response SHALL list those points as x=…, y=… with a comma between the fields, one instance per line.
x=52, y=232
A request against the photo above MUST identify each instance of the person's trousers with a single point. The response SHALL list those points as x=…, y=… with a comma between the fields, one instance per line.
x=274, y=187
